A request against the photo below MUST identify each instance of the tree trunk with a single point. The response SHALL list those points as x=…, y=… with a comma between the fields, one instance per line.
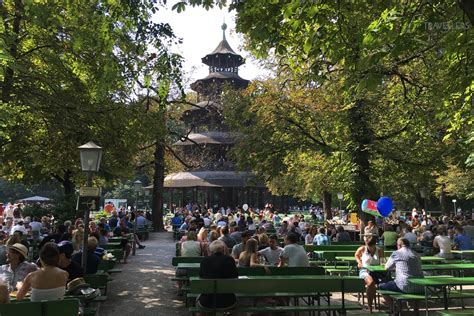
x=327, y=200
x=420, y=200
x=442, y=200
x=361, y=137
x=8, y=78
x=158, y=187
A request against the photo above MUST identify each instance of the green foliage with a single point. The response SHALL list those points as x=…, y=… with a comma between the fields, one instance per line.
x=401, y=77
x=73, y=72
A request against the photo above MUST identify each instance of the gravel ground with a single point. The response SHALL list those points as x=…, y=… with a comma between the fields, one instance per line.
x=144, y=288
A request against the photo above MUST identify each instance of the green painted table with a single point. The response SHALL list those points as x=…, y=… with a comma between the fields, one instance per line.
x=334, y=254
x=441, y=283
x=432, y=267
x=463, y=252
x=423, y=259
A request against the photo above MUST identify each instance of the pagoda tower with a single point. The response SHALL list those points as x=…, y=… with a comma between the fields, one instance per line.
x=210, y=177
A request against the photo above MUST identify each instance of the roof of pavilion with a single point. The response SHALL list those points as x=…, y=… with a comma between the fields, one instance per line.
x=211, y=137
x=188, y=179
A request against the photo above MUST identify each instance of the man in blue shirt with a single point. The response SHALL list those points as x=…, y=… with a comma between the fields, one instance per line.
x=462, y=241
x=176, y=221
x=321, y=238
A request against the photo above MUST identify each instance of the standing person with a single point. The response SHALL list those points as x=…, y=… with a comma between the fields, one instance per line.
x=272, y=252
x=407, y=264
x=219, y=265
x=293, y=255
x=366, y=256
x=49, y=282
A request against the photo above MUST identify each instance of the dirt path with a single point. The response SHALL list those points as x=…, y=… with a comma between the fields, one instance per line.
x=144, y=288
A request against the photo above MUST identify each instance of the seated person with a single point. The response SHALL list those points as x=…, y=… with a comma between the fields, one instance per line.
x=92, y=259
x=121, y=231
x=219, y=265
x=49, y=282
x=191, y=247
x=272, y=252
x=17, y=268
x=407, y=264
x=65, y=262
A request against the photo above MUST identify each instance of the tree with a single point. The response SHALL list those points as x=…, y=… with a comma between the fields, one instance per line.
x=69, y=74
x=403, y=71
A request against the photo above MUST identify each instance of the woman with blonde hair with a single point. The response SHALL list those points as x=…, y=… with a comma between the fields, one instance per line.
x=249, y=257
x=263, y=241
x=77, y=237
x=202, y=235
x=191, y=247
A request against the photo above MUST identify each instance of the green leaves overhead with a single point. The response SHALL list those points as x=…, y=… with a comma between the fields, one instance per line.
x=74, y=72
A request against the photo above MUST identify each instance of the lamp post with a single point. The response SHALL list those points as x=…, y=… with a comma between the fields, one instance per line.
x=91, y=155
x=137, y=187
x=454, y=205
x=340, y=196
x=423, y=196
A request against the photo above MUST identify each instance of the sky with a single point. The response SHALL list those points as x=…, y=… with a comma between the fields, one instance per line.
x=201, y=32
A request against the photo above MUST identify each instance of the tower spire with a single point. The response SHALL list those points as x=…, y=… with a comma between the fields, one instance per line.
x=224, y=27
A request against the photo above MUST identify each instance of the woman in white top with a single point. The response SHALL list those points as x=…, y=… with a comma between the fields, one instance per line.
x=443, y=243
x=366, y=256
x=49, y=282
x=191, y=247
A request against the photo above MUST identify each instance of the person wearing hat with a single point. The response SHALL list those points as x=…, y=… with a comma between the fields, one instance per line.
x=17, y=267
x=66, y=249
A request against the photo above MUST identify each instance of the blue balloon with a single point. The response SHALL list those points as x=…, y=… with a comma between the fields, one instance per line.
x=385, y=206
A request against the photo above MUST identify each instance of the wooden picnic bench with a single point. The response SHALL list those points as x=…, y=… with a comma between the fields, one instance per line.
x=311, y=287
x=176, y=260
x=65, y=307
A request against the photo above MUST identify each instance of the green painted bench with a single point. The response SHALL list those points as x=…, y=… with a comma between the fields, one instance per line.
x=177, y=260
x=278, y=286
x=66, y=307
x=311, y=248
x=98, y=281
x=456, y=312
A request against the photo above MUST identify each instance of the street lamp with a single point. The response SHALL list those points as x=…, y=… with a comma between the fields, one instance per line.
x=454, y=205
x=137, y=187
x=340, y=196
x=423, y=196
x=91, y=155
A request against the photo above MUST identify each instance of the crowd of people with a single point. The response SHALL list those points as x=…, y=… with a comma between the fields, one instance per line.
x=251, y=239
x=41, y=255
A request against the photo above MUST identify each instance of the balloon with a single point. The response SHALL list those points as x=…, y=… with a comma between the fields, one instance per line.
x=385, y=206
x=370, y=207
x=245, y=207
